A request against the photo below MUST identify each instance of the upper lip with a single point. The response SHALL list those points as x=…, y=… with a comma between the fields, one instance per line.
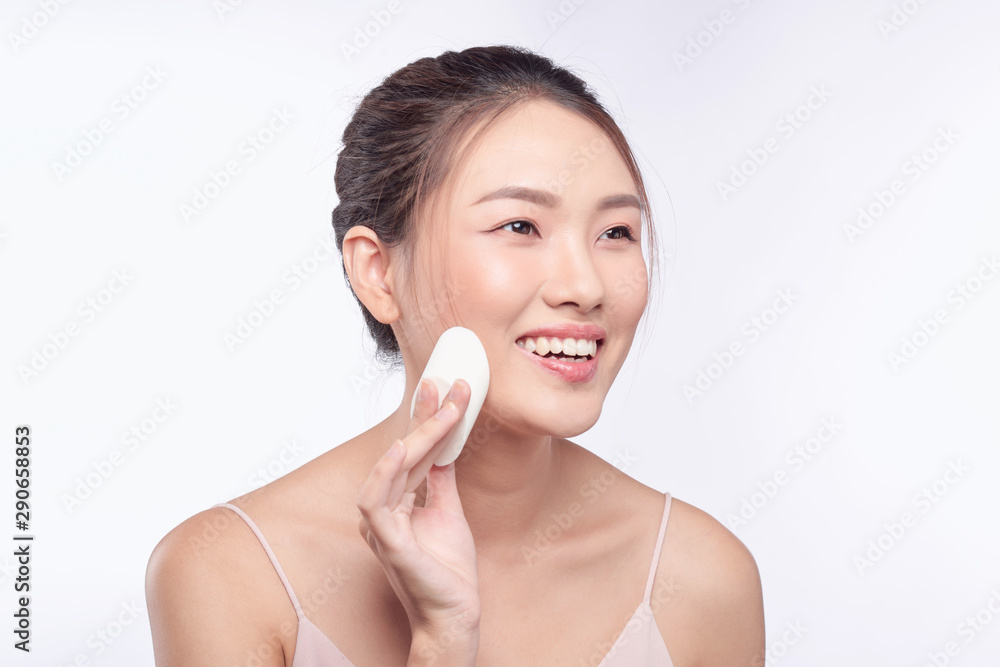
x=584, y=331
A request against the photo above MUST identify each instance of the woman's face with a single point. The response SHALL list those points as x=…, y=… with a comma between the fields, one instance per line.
x=535, y=236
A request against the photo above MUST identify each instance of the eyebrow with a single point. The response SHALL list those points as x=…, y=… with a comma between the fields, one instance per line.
x=549, y=200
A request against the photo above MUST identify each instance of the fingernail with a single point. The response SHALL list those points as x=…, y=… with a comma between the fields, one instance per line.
x=453, y=391
x=446, y=410
x=397, y=450
x=422, y=390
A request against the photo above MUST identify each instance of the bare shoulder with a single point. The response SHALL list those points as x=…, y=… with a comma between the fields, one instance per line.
x=213, y=595
x=201, y=610
x=711, y=611
x=706, y=596
x=708, y=550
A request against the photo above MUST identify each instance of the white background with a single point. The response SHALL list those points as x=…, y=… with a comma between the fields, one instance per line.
x=305, y=376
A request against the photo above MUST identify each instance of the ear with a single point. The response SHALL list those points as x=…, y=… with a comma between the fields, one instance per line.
x=369, y=268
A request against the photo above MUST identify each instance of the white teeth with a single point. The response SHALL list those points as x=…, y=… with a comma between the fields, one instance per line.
x=570, y=347
x=541, y=346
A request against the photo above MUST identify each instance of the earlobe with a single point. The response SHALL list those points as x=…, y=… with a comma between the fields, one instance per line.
x=369, y=268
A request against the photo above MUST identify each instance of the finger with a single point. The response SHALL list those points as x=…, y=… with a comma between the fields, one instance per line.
x=421, y=442
x=424, y=448
x=407, y=501
x=373, y=497
x=427, y=403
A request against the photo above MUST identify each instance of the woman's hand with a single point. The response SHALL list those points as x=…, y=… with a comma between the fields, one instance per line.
x=427, y=552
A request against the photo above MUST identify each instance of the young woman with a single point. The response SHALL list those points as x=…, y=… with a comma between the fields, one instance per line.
x=488, y=189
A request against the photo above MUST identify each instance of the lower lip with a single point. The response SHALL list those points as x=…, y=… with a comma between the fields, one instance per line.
x=570, y=371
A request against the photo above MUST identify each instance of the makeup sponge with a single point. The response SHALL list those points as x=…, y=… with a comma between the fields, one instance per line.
x=457, y=354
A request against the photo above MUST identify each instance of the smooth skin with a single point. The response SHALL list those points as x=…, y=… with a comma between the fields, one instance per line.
x=385, y=573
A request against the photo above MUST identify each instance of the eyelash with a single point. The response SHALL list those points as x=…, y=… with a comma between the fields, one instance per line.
x=627, y=232
x=514, y=222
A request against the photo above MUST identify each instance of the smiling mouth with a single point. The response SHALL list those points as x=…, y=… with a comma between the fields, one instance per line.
x=574, y=350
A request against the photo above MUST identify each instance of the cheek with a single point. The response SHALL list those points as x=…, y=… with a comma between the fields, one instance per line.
x=491, y=282
x=628, y=291
x=490, y=272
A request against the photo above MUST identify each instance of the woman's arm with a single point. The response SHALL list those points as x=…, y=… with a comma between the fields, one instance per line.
x=737, y=618
x=209, y=586
x=708, y=585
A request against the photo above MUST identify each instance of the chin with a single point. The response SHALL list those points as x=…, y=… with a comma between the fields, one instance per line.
x=570, y=426
x=536, y=419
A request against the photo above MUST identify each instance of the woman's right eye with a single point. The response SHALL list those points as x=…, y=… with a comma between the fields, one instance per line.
x=522, y=227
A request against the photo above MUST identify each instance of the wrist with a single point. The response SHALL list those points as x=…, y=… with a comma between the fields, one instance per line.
x=444, y=647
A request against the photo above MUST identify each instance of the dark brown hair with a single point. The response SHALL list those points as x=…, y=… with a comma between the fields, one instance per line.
x=398, y=147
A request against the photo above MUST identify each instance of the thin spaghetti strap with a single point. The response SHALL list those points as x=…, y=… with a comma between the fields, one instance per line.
x=270, y=555
x=656, y=552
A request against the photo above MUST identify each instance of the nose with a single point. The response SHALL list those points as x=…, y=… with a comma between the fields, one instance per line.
x=573, y=278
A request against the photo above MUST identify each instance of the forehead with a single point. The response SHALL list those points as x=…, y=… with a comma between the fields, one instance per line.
x=539, y=144
x=538, y=122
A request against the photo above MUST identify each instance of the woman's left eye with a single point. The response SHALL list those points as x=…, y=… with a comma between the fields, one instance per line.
x=620, y=232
